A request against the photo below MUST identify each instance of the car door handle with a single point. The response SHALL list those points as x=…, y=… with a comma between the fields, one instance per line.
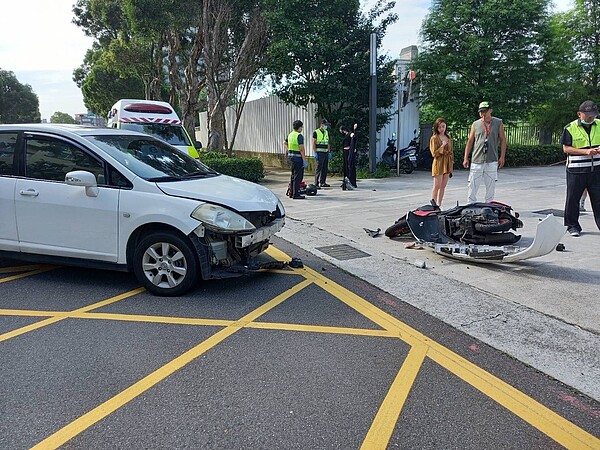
x=29, y=192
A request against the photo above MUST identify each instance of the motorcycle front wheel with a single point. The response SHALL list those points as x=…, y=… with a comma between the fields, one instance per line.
x=398, y=229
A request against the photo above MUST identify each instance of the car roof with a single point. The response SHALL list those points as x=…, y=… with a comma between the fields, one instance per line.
x=66, y=129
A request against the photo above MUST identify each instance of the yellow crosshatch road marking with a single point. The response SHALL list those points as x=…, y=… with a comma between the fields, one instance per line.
x=59, y=317
x=384, y=423
x=23, y=271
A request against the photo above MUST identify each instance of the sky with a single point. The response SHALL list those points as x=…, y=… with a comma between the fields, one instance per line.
x=42, y=47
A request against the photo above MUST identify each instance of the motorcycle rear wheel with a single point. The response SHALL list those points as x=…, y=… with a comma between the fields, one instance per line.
x=398, y=229
x=406, y=166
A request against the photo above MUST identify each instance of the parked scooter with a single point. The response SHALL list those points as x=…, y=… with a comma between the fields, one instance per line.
x=475, y=223
x=407, y=155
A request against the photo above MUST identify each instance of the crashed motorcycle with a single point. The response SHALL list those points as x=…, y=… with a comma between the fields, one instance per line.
x=475, y=223
x=477, y=232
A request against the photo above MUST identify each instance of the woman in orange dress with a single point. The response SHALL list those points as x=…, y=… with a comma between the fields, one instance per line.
x=442, y=151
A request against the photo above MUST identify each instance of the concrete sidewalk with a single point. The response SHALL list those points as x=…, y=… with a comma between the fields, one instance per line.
x=544, y=312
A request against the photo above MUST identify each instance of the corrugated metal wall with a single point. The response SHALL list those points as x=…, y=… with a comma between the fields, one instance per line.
x=264, y=125
x=266, y=122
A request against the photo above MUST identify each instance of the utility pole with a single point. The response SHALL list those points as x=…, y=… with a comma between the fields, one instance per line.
x=373, y=103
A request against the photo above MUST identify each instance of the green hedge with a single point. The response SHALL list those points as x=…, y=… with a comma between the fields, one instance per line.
x=524, y=155
x=251, y=169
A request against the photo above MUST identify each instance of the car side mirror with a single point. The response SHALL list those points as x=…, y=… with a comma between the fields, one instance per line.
x=85, y=179
x=198, y=145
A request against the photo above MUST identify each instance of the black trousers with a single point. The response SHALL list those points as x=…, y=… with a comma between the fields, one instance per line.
x=576, y=184
x=297, y=166
x=350, y=166
x=322, y=168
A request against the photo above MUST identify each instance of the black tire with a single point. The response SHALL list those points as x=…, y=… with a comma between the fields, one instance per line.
x=502, y=225
x=406, y=166
x=166, y=264
x=398, y=229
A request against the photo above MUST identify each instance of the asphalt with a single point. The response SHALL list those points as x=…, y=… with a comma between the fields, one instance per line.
x=543, y=311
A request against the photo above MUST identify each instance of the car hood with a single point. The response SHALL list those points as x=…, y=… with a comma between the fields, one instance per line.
x=224, y=190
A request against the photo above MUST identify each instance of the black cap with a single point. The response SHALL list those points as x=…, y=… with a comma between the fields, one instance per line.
x=325, y=121
x=588, y=107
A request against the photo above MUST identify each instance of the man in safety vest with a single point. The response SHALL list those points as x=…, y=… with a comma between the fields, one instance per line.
x=294, y=145
x=322, y=147
x=581, y=143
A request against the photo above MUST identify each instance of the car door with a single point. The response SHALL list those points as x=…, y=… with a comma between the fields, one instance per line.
x=54, y=218
x=8, y=169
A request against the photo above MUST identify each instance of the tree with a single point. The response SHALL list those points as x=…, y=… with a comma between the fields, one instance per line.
x=61, y=117
x=235, y=40
x=321, y=56
x=18, y=102
x=476, y=50
x=575, y=64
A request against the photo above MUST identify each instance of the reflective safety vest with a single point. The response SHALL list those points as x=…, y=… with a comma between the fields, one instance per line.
x=293, y=146
x=583, y=163
x=322, y=140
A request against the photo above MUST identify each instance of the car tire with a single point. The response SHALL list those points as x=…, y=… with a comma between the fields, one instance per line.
x=166, y=264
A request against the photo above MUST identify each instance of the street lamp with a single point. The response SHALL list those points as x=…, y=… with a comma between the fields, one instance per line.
x=373, y=103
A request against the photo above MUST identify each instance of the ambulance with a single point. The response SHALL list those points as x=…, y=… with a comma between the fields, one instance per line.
x=152, y=117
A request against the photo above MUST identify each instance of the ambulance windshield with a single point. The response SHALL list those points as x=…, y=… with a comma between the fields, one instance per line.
x=172, y=134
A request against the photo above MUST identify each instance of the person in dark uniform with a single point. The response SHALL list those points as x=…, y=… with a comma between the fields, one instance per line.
x=581, y=143
x=351, y=157
x=346, y=142
x=294, y=145
x=322, y=147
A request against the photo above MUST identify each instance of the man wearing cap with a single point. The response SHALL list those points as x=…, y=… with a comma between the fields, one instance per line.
x=322, y=147
x=294, y=145
x=485, y=136
x=581, y=143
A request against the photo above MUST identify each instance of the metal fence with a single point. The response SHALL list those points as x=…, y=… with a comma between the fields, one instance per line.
x=516, y=134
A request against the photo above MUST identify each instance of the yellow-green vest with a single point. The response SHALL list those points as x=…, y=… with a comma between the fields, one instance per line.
x=322, y=140
x=583, y=163
x=292, y=140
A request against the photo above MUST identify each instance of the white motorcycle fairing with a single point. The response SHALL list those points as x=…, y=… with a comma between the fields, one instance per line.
x=548, y=234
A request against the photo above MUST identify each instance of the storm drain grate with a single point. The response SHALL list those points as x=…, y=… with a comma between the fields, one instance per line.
x=343, y=252
x=554, y=212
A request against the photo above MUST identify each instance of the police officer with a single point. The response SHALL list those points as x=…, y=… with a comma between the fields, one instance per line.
x=581, y=143
x=294, y=145
x=320, y=142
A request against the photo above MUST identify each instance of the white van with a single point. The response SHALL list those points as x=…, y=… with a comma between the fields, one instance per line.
x=152, y=117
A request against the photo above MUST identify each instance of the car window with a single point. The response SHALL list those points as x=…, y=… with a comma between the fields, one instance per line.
x=172, y=134
x=150, y=158
x=51, y=159
x=8, y=144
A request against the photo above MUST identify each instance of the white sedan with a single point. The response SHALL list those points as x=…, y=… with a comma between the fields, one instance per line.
x=107, y=198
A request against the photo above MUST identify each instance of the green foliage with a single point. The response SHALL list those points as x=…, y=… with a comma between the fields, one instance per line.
x=322, y=56
x=533, y=155
x=61, y=117
x=18, y=102
x=574, y=64
x=481, y=50
x=250, y=169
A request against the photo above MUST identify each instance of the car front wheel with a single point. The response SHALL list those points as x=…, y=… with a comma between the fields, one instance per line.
x=166, y=264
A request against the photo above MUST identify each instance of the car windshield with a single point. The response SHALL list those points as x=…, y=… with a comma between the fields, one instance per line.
x=150, y=158
x=173, y=134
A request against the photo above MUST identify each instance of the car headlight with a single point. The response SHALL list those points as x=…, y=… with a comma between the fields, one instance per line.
x=281, y=208
x=221, y=219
